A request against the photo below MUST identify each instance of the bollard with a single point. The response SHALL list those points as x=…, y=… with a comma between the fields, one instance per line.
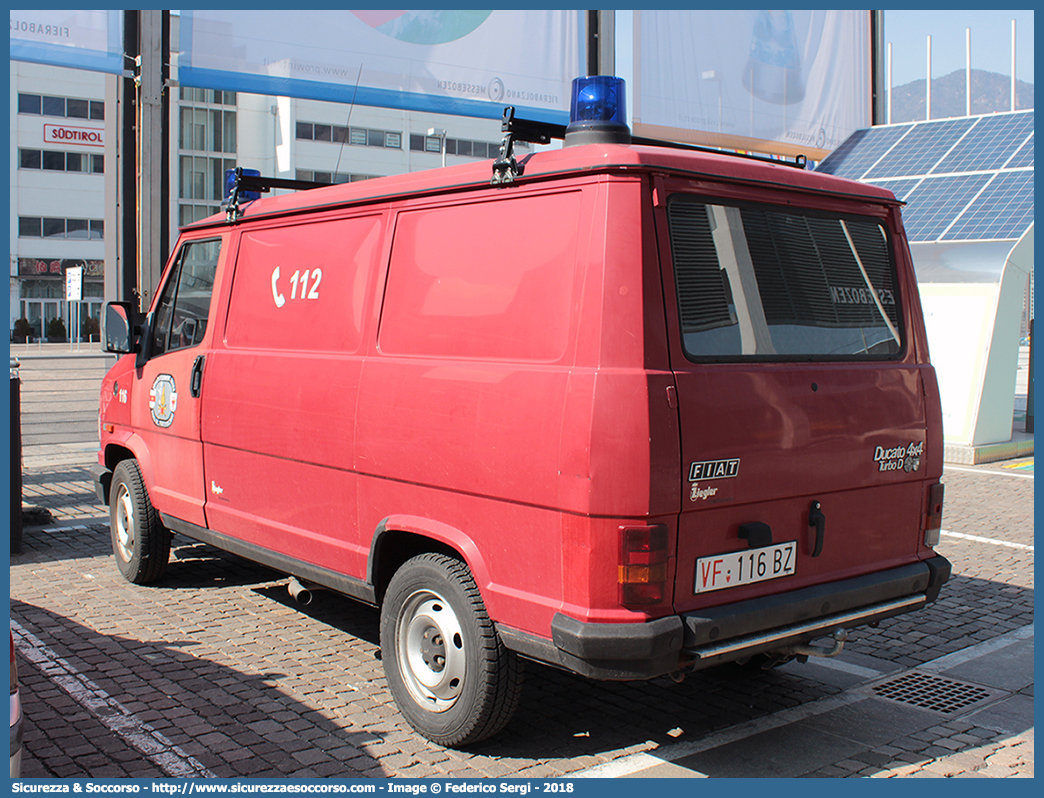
x=1029, y=389
x=16, y=460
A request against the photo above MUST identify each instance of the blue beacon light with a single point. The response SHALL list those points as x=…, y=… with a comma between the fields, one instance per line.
x=230, y=181
x=598, y=112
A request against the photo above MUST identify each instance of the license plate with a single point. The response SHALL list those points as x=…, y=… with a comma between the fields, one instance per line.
x=745, y=567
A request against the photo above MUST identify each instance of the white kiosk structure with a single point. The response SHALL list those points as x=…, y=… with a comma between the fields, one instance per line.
x=968, y=185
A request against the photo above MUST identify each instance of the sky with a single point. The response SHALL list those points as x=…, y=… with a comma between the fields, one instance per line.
x=990, y=42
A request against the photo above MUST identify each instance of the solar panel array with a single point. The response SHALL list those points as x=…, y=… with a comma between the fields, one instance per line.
x=965, y=179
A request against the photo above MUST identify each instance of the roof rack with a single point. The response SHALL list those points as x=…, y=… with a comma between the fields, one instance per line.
x=506, y=168
x=250, y=186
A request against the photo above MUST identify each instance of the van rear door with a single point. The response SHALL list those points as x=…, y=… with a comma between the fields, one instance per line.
x=801, y=408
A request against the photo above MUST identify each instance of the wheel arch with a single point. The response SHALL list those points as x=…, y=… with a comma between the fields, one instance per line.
x=399, y=538
x=129, y=447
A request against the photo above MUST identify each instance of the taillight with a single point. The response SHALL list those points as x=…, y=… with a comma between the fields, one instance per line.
x=643, y=564
x=933, y=525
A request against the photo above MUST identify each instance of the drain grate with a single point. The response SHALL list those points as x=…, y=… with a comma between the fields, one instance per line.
x=931, y=692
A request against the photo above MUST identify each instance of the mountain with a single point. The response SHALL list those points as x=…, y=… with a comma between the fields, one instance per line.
x=991, y=93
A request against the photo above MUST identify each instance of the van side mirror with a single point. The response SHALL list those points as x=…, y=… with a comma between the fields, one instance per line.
x=119, y=328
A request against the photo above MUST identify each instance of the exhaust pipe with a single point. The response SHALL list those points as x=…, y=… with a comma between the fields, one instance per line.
x=301, y=591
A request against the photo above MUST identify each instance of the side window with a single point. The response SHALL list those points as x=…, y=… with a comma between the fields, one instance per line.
x=180, y=320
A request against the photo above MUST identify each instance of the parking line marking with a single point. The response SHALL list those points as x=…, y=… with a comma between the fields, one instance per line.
x=992, y=541
x=845, y=667
x=987, y=471
x=948, y=661
x=619, y=768
x=170, y=758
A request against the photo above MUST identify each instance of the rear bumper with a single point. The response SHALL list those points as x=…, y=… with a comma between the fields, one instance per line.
x=719, y=634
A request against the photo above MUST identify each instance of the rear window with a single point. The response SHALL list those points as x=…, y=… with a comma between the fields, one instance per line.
x=765, y=283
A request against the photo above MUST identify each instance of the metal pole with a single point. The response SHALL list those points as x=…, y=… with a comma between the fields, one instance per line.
x=928, y=84
x=591, y=18
x=1029, y=389
x=889, y=80
x=16, y=460
x=967, y=71
x=607, y=42
x=1013, y=65
x=154, y=46
x=877, y=68
x=127, y=279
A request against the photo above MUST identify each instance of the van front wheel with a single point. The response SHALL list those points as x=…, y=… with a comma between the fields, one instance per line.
x=451, y=676
x=140, y=542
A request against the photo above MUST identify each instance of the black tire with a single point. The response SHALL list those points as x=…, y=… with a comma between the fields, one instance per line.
x=140, y=542
x=448, y=671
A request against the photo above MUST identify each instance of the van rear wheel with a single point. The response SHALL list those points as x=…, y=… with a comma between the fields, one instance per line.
x=451, y=676
x=140, y=542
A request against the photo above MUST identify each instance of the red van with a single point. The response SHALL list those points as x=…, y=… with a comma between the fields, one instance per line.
x=623, y=408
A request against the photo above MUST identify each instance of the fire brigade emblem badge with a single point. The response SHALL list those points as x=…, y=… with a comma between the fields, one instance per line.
x=163, y=400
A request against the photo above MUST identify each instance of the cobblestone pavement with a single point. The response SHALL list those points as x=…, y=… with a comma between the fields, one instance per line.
x=226, y=676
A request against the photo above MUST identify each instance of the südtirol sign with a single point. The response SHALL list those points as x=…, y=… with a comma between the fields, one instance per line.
x=81, y=136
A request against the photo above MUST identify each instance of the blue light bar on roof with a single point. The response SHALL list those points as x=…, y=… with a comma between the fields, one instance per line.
x=598, y=112
x=230, y=181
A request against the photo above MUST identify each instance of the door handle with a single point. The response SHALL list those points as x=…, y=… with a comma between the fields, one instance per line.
x=196, y=377
x=817, y=520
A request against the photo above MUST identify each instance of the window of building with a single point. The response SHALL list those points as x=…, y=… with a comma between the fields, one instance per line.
x=77, y=109
x=54, y=161
x=465, y=148
x=362, y=137
x=29, y=159
x=208, y=96
x=29, y=104
x=59, y=161
x=47, y=227
x=54, y=228
x=207, y=130
x=331, y=177
x=30, y=227
x=53, y=106
x=68, y=107
x=207, y=143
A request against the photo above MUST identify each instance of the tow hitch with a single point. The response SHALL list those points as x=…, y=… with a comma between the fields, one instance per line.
x=805, y=650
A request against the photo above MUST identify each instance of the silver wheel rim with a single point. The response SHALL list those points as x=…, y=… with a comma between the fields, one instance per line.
x=124, y=524
x=430, y=645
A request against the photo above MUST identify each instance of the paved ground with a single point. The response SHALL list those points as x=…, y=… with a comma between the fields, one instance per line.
x=217, y=672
